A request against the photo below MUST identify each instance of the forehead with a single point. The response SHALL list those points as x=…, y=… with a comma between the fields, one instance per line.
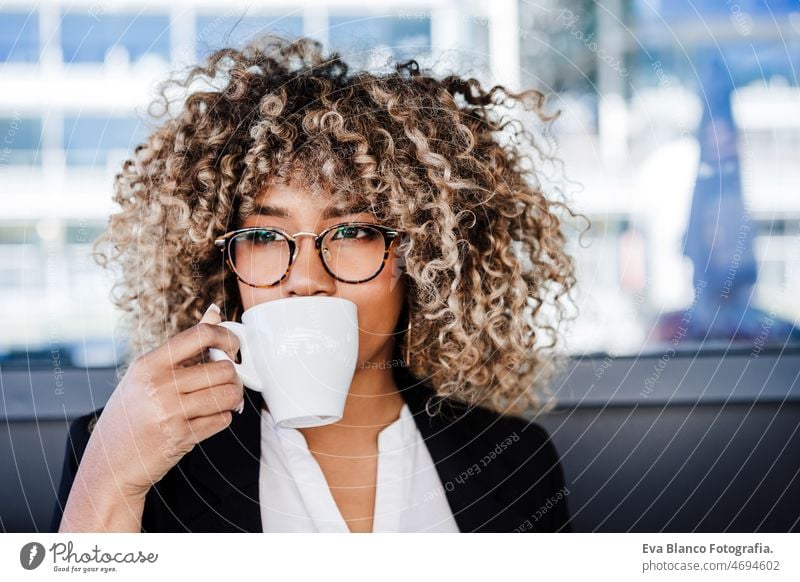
x=293, y=196
x=291, y=201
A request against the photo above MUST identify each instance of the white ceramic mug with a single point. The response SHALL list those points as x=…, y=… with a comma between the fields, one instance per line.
x=301, y=353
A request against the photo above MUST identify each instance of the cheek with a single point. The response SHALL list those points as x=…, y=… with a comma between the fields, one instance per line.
x=380, y=303
x=251, y=296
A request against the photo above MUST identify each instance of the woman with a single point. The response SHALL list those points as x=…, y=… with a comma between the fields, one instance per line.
x=278, y=141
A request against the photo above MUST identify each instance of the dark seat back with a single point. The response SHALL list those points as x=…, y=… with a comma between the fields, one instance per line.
x=712, y=445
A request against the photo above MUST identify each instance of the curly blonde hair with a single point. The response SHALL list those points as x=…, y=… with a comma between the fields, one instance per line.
x=484, y=261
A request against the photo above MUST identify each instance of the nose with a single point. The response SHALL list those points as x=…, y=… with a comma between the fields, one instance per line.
x=308, y=275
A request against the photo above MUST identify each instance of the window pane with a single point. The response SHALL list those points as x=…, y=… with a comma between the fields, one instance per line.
x=90, y=140
x=214, y=32
x=19, y=36
x=20, y=139
x=691, y=11
x=403, y=37
x=87, y=38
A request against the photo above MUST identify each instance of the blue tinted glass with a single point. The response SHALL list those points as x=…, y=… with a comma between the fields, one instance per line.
x=21, y=139
x=215, y=32
x=87, y=37
x=761, y=59
x=406, y=37
x=744, y=62
x=746, y=58
x=19, y=36
x=87, y=140
x=688, y=10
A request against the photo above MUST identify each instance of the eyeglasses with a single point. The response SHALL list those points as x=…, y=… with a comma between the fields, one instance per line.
x=352, y=252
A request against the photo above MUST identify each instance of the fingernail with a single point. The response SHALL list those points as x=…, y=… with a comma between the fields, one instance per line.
x=240, y=408
x=211, y=309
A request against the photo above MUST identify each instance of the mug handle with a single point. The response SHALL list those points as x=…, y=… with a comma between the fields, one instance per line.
x=245, y=370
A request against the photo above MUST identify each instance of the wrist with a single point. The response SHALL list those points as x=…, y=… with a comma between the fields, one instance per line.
x=107, y=476
x=101, y=501
x=97, y=506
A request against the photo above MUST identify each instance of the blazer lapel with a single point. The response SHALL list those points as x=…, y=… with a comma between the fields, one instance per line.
x=452, y=439
x=228, y=466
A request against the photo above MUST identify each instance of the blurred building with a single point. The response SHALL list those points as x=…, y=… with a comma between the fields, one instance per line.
x=77, y=77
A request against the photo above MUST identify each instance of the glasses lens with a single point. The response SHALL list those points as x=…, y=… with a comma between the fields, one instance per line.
x=260, y=257
x=353, y=253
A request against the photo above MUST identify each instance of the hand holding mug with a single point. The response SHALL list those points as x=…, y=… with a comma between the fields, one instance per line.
x=161, y=409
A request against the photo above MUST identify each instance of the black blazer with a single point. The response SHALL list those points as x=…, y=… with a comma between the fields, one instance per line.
x=500, y=473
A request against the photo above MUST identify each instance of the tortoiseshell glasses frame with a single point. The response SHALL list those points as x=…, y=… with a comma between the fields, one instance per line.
x=389, y=237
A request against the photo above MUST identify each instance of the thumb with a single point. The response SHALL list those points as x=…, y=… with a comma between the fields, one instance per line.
x=212, y=315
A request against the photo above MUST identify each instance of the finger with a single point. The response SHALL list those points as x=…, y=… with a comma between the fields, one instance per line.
x=191, y=342
x=211, y=400
x=212, y=315
x=207, y=426
x=199, y=376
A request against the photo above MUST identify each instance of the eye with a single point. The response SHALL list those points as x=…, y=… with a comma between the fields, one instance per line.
x=263, y=236
x=354, y=233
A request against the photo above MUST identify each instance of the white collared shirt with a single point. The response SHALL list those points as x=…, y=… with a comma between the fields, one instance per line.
x=295, y=496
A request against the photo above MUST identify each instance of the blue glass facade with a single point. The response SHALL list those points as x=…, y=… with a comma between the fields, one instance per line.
x=213, y=32
x=20, y=140
x=19, y=37
x=88, y=140
x=87, y=37
x=405, y=37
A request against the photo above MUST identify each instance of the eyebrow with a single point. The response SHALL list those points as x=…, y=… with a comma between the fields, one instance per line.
x=330, y=212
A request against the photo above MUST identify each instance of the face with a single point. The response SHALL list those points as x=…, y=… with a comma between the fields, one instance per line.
x=379, y=301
